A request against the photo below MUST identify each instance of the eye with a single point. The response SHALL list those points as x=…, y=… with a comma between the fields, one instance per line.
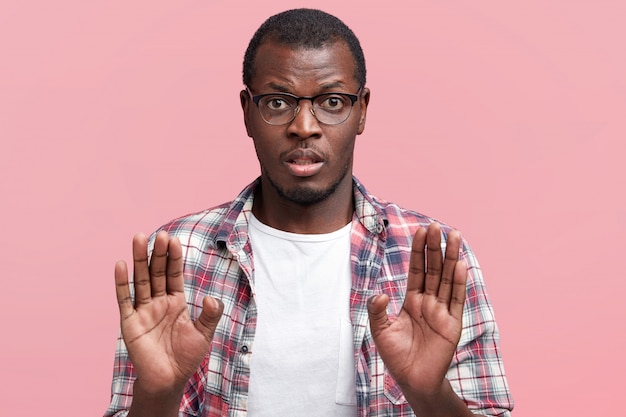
x=276, y=103
x=331, y=102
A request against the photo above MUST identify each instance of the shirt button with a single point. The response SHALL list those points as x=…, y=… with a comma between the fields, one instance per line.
x=244, y=349
x=379, y=228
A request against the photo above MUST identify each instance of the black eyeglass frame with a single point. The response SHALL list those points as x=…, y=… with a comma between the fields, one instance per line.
x=352, y=97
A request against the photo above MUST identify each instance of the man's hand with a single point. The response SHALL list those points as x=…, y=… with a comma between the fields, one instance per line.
x=418, y=346
x=164, y=345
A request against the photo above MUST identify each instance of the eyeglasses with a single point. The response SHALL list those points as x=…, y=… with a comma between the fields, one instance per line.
x=328, y=108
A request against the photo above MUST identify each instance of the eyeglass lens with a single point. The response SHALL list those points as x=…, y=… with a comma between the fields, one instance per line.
x=278, y=109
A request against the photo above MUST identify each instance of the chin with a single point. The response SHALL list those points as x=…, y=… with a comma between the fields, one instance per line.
x=305, y=195
x=308, y=193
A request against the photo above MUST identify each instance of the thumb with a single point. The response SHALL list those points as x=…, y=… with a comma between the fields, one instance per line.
x=212, y=309
x=377, y=311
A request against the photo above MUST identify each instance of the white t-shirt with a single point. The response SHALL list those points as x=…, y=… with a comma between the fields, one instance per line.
x=302, y=361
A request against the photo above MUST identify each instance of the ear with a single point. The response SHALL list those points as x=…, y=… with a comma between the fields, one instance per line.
x=246, y=103
x=363, y=102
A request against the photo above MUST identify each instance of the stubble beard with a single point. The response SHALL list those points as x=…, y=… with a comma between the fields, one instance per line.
x=305, y=196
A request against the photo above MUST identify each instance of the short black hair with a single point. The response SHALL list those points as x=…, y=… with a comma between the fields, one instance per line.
x=304, y=28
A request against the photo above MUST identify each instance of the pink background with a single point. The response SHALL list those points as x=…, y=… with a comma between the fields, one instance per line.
x=505, y=120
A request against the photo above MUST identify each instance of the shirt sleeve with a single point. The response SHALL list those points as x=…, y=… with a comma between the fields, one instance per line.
x=477, y=371
x=122, y=384
x=124, y=376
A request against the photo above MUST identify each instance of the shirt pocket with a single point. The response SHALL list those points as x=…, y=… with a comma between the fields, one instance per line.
x=346, y=369
x=218, y=380
x=198, y=392
x=392, y=390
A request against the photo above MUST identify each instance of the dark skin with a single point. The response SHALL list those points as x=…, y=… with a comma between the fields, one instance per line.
x=166, y=347
x=304, y=73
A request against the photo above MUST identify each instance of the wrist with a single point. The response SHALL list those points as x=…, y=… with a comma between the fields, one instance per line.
x=438, y=402
x=155, y=403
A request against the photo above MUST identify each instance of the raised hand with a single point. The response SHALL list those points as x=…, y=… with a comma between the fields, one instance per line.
x=417, y=347
x=164, y=345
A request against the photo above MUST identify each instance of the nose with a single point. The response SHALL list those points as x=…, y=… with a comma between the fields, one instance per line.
x=304, y=125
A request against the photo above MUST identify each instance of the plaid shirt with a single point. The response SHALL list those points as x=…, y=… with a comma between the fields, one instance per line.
x=219, y=262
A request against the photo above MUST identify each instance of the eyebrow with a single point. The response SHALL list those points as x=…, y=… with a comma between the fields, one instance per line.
x=331, y=86
x=284, y=89
x=279, y=87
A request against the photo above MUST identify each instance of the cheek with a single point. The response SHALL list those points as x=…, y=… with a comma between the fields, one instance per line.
x=343, y=141
x=343, y=152
x=266, y=148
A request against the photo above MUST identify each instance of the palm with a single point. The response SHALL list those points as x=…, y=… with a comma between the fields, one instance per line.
x=418, y=346
x=164, y=335
x=163, y=344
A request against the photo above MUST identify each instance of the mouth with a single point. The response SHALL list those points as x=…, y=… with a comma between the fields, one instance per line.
x=304, y=163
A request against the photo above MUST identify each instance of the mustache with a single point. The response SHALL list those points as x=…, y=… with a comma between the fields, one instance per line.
x=303, y=151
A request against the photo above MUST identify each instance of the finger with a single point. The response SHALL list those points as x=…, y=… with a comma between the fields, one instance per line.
x=141, y=273
x=453, y=243
x=377, y=311
x=174, y=267
x=417, y=262
x=122, y=291
x=212, y=310
x=458, y=290
x=433, y=259
x=158, y=265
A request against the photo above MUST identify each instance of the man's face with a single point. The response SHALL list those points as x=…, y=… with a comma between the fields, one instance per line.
x=304, y=161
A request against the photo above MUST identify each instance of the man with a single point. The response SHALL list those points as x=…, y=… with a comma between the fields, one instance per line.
x=305, y=296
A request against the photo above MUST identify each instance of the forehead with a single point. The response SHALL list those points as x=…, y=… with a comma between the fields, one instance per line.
x=295, y=68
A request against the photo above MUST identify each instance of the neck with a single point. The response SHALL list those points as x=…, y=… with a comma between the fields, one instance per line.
x=326, y=216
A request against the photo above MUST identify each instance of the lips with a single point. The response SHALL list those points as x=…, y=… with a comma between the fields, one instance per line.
x=303, y=162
